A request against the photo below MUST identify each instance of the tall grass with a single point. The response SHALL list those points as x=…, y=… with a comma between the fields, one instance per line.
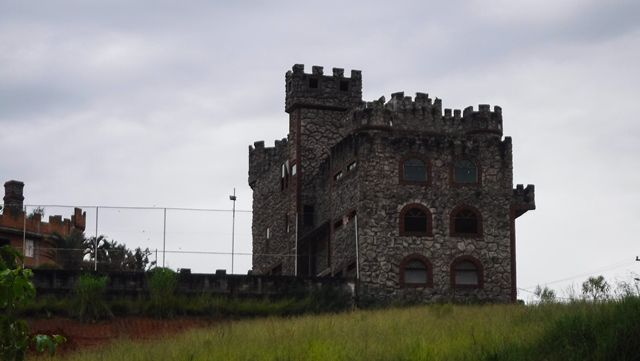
x=581, y=331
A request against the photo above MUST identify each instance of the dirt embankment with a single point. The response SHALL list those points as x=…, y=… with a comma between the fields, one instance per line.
x=82, y=335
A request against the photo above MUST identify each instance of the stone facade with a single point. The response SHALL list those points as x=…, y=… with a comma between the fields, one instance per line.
x=414, y=201
x=28, y=233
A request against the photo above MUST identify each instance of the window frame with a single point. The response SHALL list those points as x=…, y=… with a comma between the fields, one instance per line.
x=479, y=270
x=422, y=259
x=427, y=170
x=404, y=210
x=452, y=173
x=452, y=226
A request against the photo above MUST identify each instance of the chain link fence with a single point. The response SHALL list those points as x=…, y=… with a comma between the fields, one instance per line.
x=131, y=238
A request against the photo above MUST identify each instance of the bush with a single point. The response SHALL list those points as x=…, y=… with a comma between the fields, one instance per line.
x=162, y=287
x=89, y=298
x=17, y=290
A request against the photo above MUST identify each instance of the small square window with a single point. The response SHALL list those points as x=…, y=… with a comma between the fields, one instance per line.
x=29, y=248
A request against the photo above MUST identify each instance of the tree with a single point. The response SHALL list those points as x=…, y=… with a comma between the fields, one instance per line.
x=545, y=294
x=595, y=288
x=114, y=256
x=71, y=249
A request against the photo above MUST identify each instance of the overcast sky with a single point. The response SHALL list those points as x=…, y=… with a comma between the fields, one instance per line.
x=154, y=103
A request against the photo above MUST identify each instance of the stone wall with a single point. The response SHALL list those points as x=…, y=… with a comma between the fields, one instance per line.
x=382, y=197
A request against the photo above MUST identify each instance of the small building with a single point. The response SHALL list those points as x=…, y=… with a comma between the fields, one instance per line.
x=28, y=233
x=415, y=201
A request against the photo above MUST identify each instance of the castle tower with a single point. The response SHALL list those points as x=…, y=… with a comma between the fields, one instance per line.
x=13, y=196
x=315, y=103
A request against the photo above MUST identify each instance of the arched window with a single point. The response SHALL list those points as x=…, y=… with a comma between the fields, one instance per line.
x=465, y=172
x=415, y=220
x=465, y=221
x=416, y=271
x=414, y=170
x=466, y=272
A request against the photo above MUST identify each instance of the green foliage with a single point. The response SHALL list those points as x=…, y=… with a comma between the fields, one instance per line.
x=17, y=290
x=49, y=344
x=545, y=294
x=596, y=288
x=162, y=286
x=578, y=331
x=89, y=296
x=71, y=249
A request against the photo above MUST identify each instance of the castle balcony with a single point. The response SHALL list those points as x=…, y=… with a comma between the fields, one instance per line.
x=523, y=199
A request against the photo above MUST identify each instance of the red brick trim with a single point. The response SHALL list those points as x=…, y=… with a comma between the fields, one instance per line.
x=405, y=209
x=479, y=267
x=427, y=166
x=425, y=261
x=455, y=211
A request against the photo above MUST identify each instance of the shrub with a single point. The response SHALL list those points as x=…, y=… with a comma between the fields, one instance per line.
x=89, y=298
x=162, y=287
x=16, y=289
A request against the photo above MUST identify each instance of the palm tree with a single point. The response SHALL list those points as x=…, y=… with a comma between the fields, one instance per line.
x=71, y=249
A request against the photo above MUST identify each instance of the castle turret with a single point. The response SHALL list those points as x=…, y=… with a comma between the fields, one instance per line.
x=316, y=90
x=13, y=196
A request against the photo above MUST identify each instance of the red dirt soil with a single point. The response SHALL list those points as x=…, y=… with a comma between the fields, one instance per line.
x=82, y=335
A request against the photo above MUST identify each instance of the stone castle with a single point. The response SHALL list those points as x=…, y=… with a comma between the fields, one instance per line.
x=415, y=202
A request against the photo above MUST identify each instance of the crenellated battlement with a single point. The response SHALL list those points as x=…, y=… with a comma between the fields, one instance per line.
x=316, y=90
x=523, y=199
x=33, y=224
x=424, y=114
x=262, y=159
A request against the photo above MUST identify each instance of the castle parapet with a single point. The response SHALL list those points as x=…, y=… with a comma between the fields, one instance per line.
x=524, y=199
x=423, y=114
x=316, y=90
x=262, y=159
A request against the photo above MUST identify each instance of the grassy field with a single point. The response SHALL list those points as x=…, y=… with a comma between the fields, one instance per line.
x=578, y=331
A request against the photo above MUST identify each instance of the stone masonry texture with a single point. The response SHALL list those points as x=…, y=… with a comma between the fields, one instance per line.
x=328, y=200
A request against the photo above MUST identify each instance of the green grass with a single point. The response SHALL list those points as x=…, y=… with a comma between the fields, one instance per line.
x=579, y=331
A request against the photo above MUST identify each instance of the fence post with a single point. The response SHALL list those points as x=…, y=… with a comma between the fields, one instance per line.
x=164, y=237
x=95, y=244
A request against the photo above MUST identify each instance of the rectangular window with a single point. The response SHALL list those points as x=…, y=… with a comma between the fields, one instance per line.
x=307, y=216
x=29, y=249
x=286, y=223
x=338, y=176
x=294, y=169
x=352, y=166
x=268, y=233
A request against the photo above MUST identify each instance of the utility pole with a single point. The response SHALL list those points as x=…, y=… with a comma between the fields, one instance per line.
x=233, y=227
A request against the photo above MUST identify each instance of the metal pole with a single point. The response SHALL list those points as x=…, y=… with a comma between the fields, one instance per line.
x=156, y=262
x=164, y=237
x=295, y=257
x=24, y=233
x=95, y=244
x=357, y=250
x=233, y=227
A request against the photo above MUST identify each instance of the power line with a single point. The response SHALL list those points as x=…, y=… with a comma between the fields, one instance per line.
x=610, y=267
